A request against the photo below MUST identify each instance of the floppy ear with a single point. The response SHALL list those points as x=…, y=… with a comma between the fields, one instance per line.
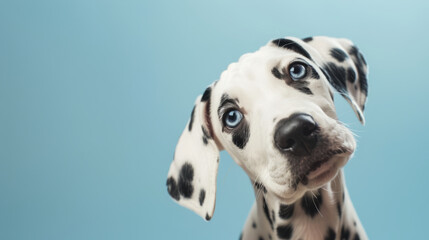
x=192, y=176
x=345, y=69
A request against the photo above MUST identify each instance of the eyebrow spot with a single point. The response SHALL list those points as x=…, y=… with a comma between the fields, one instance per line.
x=291, y=45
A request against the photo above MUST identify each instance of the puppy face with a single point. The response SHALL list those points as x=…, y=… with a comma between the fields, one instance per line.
x=259, y=92
x=273, y=112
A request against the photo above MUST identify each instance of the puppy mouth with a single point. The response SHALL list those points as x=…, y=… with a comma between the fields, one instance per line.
x=318, y=166
x=312, y=172
x=320, y=171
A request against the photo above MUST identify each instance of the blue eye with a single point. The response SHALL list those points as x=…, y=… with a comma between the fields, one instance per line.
x=232, y=118
x=297, y=71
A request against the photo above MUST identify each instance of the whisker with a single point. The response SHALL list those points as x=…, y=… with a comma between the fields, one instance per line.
x=315, y=205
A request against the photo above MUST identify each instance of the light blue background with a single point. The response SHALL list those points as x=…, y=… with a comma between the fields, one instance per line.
x=94, y=95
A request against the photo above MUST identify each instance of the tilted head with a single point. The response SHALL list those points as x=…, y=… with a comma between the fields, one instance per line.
x=273, y=112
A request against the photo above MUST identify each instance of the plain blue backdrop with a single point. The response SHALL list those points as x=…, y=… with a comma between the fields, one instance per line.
x=94, y=95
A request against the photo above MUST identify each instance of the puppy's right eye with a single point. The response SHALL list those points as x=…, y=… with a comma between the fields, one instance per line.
x=297, y=71
x=232, y=118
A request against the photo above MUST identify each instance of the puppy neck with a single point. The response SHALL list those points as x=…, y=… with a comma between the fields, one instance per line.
x=316, y=215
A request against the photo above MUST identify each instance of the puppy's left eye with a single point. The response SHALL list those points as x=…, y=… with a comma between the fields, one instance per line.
x=232, y=118
x=297, y=71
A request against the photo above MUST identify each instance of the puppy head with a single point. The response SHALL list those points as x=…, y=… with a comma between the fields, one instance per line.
x=273, y=112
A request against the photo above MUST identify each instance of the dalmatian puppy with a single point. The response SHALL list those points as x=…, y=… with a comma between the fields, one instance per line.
x=273, y=112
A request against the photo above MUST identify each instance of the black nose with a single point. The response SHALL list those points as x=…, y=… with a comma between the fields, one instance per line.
x=296, y=134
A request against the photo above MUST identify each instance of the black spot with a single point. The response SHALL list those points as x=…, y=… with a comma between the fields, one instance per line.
x=305, y=90
x=344, y=196
x=314, y=73
x=307, y=39
x=339, y=209
x=337, y=77
x=345, y=234
x=208, y=217
x=310, y=204
x=241, y=236
x=265, y=207
x=286, y=211
x=206, y=136
x=353, y=50
x=301, y=85
x=269, y=237
x=339, y=54
x=185, y=180
x=260, y=238
x=362, y=59
x=277, y=73
x=172, y=188
x=241, y=135
x=291, y=45
x=354, y=223
x=205, y=133
x=325, y=73
x=192, y=119
x=351, y=75
x=207, y=117
x=260, y=186
x=206, y=95
x=356, y=237
x=273, y=216
x=285, y=232
x=202, y=196
x=359, y=57
x=253, y=225
x=362, y=81
x=360, y=63
x=330, y=235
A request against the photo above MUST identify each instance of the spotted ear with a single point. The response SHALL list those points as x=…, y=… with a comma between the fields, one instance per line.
x=192, y=176
x=345, y=69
